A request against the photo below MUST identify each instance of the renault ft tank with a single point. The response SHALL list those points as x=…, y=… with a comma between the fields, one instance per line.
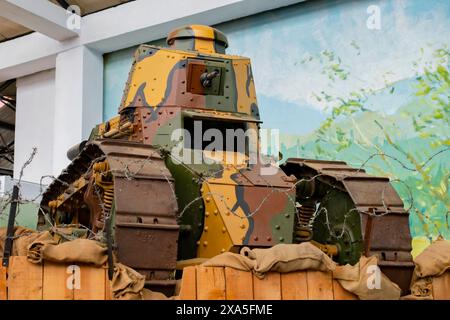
x=148, y=185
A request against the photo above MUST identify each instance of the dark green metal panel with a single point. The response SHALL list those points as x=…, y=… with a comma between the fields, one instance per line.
x=339, y=223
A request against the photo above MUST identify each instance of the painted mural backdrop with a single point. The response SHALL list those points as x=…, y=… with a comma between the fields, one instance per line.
x=366, y=82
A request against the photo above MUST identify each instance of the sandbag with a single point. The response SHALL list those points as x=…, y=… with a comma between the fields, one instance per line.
x=22, y=239
x=280, y=258
x=79, y=251
x=127, y=284
x=356, y=279
x=434, y=260
x=232, y=260
x=290, y=257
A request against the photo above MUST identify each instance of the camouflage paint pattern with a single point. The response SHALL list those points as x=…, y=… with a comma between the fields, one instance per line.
x=163, y=89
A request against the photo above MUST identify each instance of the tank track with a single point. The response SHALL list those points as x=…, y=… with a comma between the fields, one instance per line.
x=362, y=210
x=139, y=195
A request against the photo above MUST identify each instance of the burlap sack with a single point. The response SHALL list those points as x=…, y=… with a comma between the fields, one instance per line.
x=232, y=260
x=79, y=251
x=434, y=260
x=357, y=279
x=290, y=257
x=22, y=239
x=280, y=258
x=127, y=284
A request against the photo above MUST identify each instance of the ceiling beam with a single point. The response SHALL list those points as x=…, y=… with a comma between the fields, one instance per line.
x=124, y=26
x=39, y=15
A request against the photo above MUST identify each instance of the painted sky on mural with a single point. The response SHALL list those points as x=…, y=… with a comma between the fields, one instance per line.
x=278, y=42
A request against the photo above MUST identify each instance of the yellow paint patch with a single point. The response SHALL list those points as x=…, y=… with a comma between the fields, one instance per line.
x=215, y=238
x=160, y=64
x=244, y=101
x=204, y=46
x=226, y=158
x=222, y=192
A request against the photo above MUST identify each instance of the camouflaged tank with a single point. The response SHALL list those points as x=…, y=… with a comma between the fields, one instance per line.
x=158, y=209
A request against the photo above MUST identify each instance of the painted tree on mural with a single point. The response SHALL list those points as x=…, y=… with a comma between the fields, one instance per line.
x=414, y=162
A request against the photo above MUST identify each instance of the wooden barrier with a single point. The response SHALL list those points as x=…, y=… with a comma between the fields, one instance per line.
x=217, y=283
x=50, y=281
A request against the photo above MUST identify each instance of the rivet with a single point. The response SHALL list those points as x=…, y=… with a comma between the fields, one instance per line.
x=201, y=190
x=227, y=213
x=198, y=242
x=207, y=213
x=216, y=212
x=281, y=239
x=146, y=138
x=222, y=251
x=277, y=227
x=255, y=238
x=206, y=228
x=145, y=127
x=205, y=243
x=144, y=116
x=269, y=239
x=243, y=238
x=242, y=226
x=224, y=230
x=208, y=199
x=287, y=215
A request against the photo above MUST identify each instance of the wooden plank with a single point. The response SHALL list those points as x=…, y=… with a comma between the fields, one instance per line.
x=3, y=295
x=340, y=293
x=210, y=283
x=441, y=287
x=188, y=290
x=268, y=288
x=24, y=279
x=92, y=283
x=294, y=286
x=239, y=284
x=320, y=285
x=55, y=282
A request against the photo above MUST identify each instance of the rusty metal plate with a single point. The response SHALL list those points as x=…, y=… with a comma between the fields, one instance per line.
x=147, y=246
x=144, y=200
x=389, y=232
x=371, y=194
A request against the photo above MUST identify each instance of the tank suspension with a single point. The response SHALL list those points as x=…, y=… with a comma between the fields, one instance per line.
x=108, y=198
x=103, y=179
x=304, y=220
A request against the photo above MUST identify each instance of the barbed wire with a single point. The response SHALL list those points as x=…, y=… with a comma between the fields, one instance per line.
x=205, y=178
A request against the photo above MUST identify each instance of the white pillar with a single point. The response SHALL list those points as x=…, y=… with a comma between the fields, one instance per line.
x=78, y=100
x=34, y=125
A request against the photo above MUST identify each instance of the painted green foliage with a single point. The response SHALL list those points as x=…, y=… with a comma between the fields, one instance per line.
x=411, y=145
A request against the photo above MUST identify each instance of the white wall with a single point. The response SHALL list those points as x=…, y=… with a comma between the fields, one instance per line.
x=78, y=100
x=35, y=124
